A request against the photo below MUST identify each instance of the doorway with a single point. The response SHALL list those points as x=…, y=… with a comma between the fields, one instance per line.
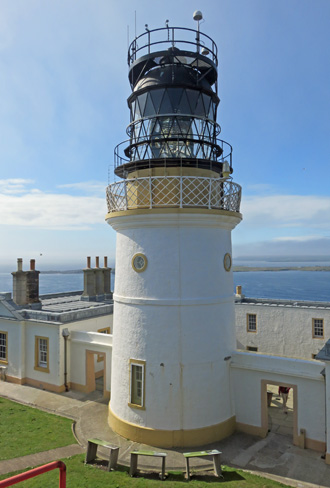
x=96, y=372
x=279, y=410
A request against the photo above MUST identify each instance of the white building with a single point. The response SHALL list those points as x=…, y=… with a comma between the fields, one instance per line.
x=57, y=341
x=291, y=328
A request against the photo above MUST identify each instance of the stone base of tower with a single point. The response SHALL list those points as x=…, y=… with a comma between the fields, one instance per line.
x=172, y=438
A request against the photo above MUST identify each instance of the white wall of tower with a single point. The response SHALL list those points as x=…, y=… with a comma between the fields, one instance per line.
x=177, y=316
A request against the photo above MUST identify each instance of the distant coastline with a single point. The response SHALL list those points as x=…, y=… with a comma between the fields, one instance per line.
x=242, y=269
x=67, y=271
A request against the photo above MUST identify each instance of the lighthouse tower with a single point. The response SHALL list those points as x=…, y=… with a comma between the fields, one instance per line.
x=173, y=210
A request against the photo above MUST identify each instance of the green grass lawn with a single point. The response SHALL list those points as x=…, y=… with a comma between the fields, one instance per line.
x=26, y=430
x=82, y=476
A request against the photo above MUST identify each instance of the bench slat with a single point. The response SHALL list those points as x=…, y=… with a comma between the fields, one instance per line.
x=99, y=442
x=150, y=453
x=201, y=453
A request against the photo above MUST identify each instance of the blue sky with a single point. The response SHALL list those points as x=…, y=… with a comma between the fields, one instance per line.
x=63, y=91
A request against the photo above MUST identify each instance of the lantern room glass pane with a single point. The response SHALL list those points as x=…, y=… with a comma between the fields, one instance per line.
x=142, y=102
x=157, y=96
x=200, y=110
x=175, y=95
x=166, y=106
x=132, y=107
x=192, y=99
x=149, y=109
x=207, y=102
x=184, y=104
x=137, y=114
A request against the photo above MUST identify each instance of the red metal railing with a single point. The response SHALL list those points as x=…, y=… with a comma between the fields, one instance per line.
x=36, y=472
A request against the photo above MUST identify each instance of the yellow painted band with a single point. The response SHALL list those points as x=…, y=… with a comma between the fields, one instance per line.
x=173, y=171
x=171, y=438
x=173, y=210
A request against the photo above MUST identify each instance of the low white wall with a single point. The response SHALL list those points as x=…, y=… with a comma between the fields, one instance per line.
x=248, y=370
x=281, y=329
x=91, y=325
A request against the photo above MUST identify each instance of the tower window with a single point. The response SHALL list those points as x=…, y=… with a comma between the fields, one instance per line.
x=3, y=347
x=251, y=322
x=318, y=328
x=137, y=377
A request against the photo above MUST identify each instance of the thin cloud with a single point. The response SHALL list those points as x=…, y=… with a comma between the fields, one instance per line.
x=14, y=185
x=286, y=211
x=298, y=238
x=86, y=186
x=51, y=211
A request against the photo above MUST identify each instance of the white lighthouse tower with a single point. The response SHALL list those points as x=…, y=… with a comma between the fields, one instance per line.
x=173, y=211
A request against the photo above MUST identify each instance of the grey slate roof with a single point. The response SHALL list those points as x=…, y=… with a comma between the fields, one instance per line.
x=59, y=308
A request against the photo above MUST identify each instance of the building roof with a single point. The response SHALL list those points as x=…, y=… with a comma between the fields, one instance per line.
x=55, y=308
x=242, y=300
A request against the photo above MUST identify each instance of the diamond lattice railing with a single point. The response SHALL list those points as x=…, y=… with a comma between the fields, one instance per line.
x=174, y=191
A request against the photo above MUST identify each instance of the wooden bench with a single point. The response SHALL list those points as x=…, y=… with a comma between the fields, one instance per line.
x=134, y=461
x=92, y=450
x=215, y=454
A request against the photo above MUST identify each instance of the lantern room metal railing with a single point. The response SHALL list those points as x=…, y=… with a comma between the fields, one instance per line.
x=190, y=48
x=165, y=37
x=174, y=191
x=171, y=151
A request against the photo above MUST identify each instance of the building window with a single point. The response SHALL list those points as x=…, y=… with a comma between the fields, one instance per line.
x=105, y=330
x=137, y=376
x=251, y=322
x=318, y=328
x=252, y=348
x=3, y=347
x=42, y=354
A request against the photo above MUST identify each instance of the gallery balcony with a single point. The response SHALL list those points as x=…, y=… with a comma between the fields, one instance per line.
x=174, y=191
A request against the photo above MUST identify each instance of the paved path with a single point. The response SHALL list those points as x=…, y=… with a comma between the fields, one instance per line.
x=24, y=462
x=274, y=457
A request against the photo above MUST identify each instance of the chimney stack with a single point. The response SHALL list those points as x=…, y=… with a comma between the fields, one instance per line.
x=239, y=293
x=26, y=284
x=97, y=281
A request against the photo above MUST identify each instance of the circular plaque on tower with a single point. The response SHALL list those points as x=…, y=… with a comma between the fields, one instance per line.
x=227, y=261
x=139, y=262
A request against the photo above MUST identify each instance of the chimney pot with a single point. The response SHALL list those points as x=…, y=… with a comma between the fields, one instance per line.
x=238, y=290
x=105, y=261
x=97, y=262
x=19, y=264
x=32, y=264
x=88, y=262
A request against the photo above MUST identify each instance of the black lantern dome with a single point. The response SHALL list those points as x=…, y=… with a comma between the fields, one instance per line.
x=173, y=105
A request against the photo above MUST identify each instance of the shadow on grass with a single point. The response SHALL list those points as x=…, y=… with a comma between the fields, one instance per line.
x=175, y=476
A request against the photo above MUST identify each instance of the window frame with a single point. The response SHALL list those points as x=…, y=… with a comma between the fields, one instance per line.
x=37, y=367
x=317, y=336
x=252, y=348
x=253, y=331
x=5, y=361
x=137, y=362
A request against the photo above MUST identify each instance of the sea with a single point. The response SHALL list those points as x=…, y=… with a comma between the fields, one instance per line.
x=290, y=284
